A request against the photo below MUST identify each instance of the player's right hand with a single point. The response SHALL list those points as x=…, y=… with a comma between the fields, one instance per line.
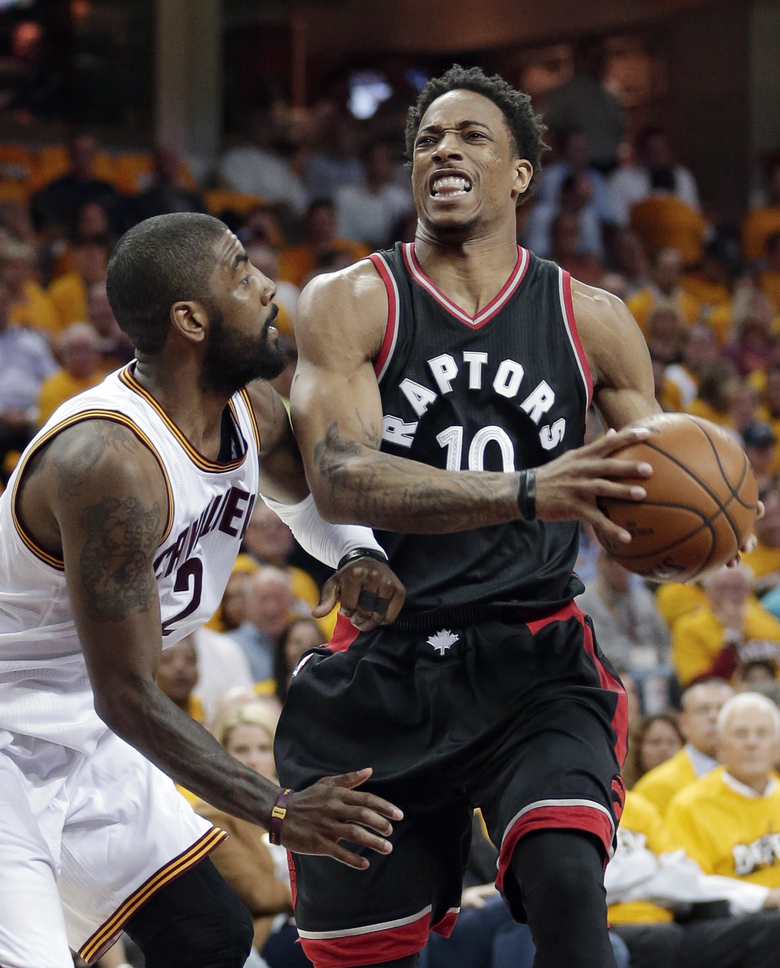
x=332, y=810
x=568, y=487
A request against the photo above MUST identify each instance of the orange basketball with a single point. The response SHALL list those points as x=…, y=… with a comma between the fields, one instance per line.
x=701, y=500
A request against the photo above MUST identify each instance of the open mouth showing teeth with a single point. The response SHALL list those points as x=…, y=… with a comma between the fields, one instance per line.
x=450, y=186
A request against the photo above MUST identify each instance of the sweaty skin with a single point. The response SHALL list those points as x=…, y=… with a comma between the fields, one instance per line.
x=95, y=497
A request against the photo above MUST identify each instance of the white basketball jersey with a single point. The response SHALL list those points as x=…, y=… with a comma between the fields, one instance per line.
x=44, y=689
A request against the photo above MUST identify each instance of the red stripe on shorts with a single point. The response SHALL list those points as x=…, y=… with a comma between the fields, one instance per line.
x=369, y=948
x=555, y=816
x=344, y=634
x=447, y=923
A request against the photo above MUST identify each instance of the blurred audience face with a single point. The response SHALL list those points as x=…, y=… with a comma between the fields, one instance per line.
x=773, y=390
x=379, y=165
x=177, y=673
x=321, y=225
x=100, y=313
x=564, y=235
x=166, y=165
x=728, y=590
x=748, y=744
x=80, y=350
x=268, y=539
x=92, y=260
x=576, y=151
x=660, y=742
x=234, y=599
x=701, y=346
x=82, y=149
x=253, y=746
x=768, y=527
x=268, y=601
x=664, y=333
x=303, y=635
x=92, y=221
x=630, y=256
x=667, y=269
x=235, y=698
x=698, y=719
x=656, y=151
x=743, y=406
x=17, y=266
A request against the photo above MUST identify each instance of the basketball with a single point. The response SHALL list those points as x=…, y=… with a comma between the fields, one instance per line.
x=701, y=501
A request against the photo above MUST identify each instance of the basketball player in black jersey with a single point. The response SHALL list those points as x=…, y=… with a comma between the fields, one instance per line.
x=440, y=397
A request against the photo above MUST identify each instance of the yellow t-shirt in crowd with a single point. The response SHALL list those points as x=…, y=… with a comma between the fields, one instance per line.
x=757, y=227
x=69, y=295
x=660, y=784
x=59, y=387
x=704, y=292
x=700, y=408
x=726, y=831
x=640, y=827
x=675, y=600
x=642, y=303
x=763, y=560
x=36, y=310
x=697, y=638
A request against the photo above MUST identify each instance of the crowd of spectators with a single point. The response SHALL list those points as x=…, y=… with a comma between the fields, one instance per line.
x=703, y=799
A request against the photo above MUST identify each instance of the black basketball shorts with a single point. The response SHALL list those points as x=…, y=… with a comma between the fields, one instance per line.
x=525, y=719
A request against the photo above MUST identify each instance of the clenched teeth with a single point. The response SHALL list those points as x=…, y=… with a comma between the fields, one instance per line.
x=450, y=186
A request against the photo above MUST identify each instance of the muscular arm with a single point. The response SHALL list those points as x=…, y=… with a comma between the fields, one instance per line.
x=617, y=354
x=337, y=416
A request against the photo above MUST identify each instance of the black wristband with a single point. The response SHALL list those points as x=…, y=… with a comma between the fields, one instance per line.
x=526, y=494
x=356, y=553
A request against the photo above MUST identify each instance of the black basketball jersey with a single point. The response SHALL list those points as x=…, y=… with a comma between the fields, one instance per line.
x=503, y=391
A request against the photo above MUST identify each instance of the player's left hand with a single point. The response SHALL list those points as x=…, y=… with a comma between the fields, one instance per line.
x=369, y=592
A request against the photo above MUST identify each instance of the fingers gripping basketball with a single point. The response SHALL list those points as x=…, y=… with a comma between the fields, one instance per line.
x=701, y=501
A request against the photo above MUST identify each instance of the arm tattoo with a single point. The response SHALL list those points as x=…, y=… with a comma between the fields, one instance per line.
x=78, y=459
x=115, y=566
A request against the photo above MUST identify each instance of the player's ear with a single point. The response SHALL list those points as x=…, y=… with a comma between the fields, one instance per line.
x=190, y=319
x=523, y=171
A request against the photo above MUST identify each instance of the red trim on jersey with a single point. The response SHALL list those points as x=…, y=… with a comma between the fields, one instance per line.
x=574, y=333
x=554, y=816
x=560, y=615
x=495, y=305
x=447, y=923
x=293, y=878
x=371, y=948
x=344, y=634
x=392, y=312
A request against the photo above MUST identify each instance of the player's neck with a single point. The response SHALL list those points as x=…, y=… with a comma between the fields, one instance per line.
x=176, y=386
x=471, y=272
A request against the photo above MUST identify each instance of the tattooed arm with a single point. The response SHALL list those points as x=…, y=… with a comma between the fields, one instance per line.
x=98, y=500
x=337, y=416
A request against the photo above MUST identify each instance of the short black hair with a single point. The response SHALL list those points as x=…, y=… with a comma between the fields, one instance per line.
x=155, y=264
x=526, y=127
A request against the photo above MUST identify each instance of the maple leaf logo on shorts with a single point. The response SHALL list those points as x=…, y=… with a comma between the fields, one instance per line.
x=443, y=640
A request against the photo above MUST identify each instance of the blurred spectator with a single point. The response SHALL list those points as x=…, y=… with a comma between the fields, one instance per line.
x=708, y=283
x=222, y=665
x=166, y=193
x=697, y=722
x=54, y=207
x=230, y=613
x=332, y=163
x=757, y=666
x=15, y=220
x=674, y=600
x=255, y=168
x=699, y=347
x=707, y=642
x=632, y=183
x=761, y=223
x=665, y=335
x=764, y=559
x=25, y=362
x=251, y=865
x=769, y=276
x=718, y=385
x=585, y=104
x=297, y=638
x=575, y=198
x=261, y=227
x=69, y=292
x=726, y=820
x=564, y=236
x=662, y=221
x=30, y=306
x=226, y=702
x=743, y=408
x=656, y=740
x=319, y=241
x=770, y=407
x=630, y=631
x=760, y=444
x=630, y=260
x=115, y=348
x=754, y=342
x=79, y=353
x=573, y=160
x=664, y=288
x=177, y=676
x=368, y=213
x=269, y=604
x=270, y=542
x=648, y=879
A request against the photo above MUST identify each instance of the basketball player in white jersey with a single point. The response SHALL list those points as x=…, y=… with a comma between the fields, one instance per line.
x=118, y=532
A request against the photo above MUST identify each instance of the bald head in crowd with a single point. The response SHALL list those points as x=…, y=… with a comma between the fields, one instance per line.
x=749, y=738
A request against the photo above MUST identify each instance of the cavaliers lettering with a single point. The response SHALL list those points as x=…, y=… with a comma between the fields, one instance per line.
x=764, y=852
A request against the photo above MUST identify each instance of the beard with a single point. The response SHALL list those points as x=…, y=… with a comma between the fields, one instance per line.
x=234, y=359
